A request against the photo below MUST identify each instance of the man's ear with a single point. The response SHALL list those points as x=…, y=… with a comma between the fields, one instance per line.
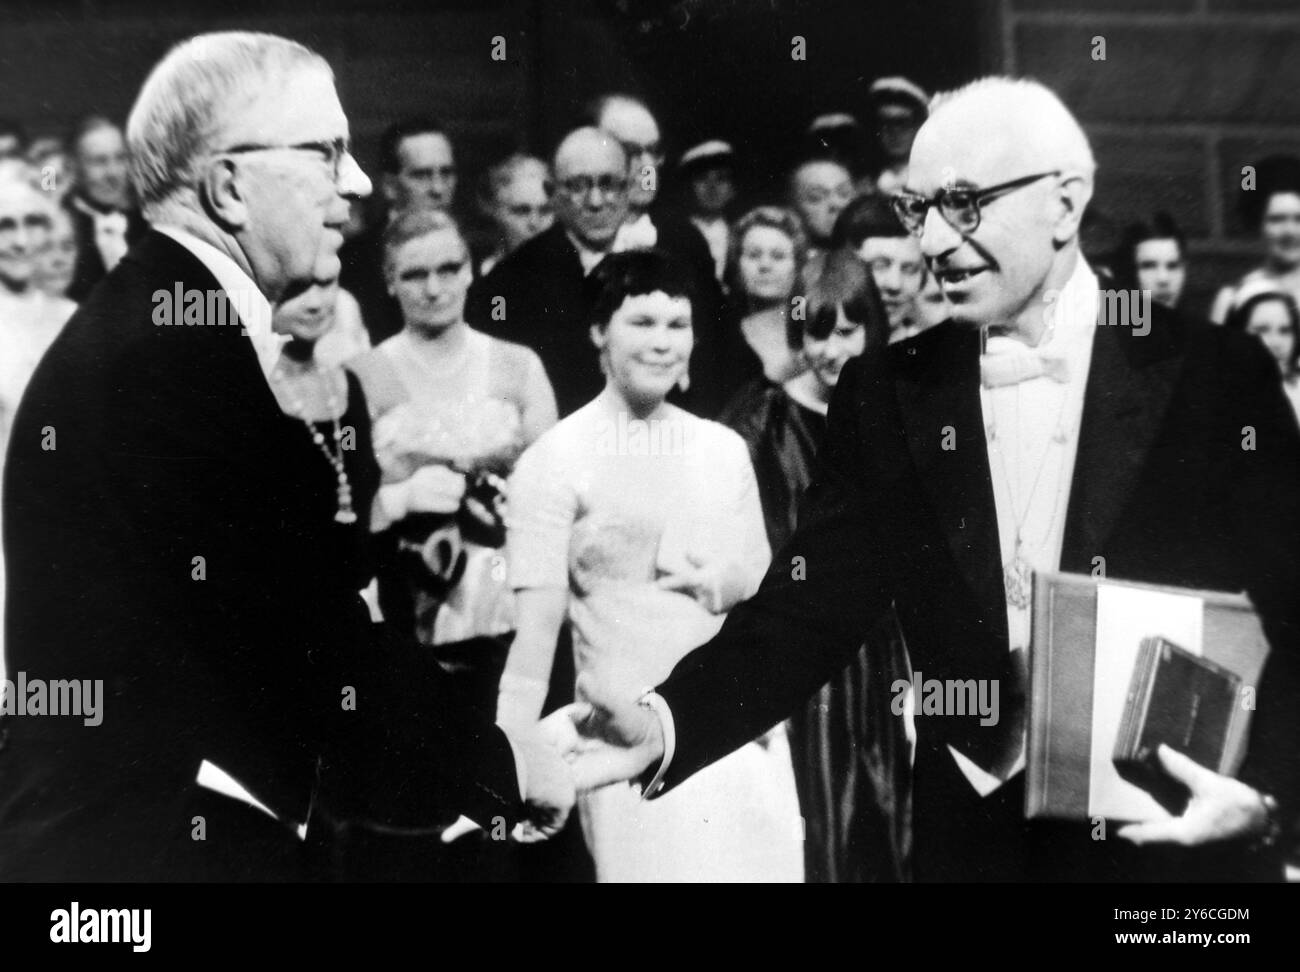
x=1071, y=199
x=221, y=196
x=598, y=337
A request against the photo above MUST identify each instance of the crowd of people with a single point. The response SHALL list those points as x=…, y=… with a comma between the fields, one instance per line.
x=588, y=429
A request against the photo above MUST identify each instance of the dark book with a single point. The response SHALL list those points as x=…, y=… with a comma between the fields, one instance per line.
x=1182, y=700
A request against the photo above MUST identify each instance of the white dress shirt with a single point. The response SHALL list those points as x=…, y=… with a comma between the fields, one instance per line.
x=1032, y=432
x=110, y=231
x=244, y=295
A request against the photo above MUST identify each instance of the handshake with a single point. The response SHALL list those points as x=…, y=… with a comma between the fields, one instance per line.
x=597, y=740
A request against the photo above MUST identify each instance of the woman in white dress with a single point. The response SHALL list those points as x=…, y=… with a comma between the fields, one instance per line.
x=641, y=525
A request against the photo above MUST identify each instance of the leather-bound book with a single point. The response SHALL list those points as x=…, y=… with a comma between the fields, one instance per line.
x=1183, y=701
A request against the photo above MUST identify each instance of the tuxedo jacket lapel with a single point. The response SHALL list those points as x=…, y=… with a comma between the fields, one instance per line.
x=1130, y=382
x=939, y=401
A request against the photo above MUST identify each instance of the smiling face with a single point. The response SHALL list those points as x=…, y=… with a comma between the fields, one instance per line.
x=646, y=347
x=289, y=207
x=102, y=167
x=1281, y=229
x=522, y=209
x=1270, y=321
x=820, y=192
x=25, y=224
x=898, y=270
x=767, y=265
x=1161, y=269
x=427, y=175
x=1024, y=245
x=827, y=356
x=430, y=276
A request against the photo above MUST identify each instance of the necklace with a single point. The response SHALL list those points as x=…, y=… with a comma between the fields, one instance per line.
x=334, y=456
x=1018, y=573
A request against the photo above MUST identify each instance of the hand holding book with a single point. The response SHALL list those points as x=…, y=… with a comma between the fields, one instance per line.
x=1220, y=808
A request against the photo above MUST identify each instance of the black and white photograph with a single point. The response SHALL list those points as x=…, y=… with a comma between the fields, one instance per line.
x=650, y=441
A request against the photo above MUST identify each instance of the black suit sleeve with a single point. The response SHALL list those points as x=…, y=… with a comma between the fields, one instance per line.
x=1265, y=520
x=824, y=589
x=275, y=634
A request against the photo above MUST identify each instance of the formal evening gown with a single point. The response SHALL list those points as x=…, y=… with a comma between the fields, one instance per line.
x=604, y=506
x=851, y=755
x=475, y=414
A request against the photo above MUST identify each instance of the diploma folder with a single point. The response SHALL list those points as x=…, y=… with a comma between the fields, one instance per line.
x=1060, y=772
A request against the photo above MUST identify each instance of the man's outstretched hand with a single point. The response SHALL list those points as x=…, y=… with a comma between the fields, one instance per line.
x=604, y=737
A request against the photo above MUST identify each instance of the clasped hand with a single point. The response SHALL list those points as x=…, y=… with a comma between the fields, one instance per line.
x=591, y=743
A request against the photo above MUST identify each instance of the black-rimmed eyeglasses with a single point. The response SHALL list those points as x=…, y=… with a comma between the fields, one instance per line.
x=959, y=207
x=332, y=150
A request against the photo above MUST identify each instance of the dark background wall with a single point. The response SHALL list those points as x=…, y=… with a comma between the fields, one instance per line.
x=1189, y=92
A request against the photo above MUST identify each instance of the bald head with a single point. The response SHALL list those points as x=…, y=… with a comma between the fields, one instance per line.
x=591, y=181
x=628, y=120
x=1017, y=123
x=1000, y=255
x=631, y=122
x=585, y=147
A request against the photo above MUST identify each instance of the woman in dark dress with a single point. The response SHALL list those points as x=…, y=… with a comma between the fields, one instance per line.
x=851, y=758
x=337, y=477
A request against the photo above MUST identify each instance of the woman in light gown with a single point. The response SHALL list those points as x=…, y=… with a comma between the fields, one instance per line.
x=453, y=409
x=641, y=524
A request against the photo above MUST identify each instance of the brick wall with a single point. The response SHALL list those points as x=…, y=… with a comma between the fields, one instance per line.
x=1190, y=91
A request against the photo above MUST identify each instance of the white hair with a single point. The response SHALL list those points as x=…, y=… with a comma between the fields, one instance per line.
x=189, y=96
x=1050, y=126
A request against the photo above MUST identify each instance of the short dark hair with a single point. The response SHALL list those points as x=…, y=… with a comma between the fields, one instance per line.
x=1239, y=319
x=1160, y=227
x=867, y=216
x=399, y=132
x=632, y=273
x=845, y=283
x=1273, y=175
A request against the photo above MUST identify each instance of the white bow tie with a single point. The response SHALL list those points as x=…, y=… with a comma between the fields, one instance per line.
x=1006, y=361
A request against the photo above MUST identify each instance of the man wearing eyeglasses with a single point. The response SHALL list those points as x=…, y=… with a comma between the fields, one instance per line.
x=1028, y=432
x=165, y=540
